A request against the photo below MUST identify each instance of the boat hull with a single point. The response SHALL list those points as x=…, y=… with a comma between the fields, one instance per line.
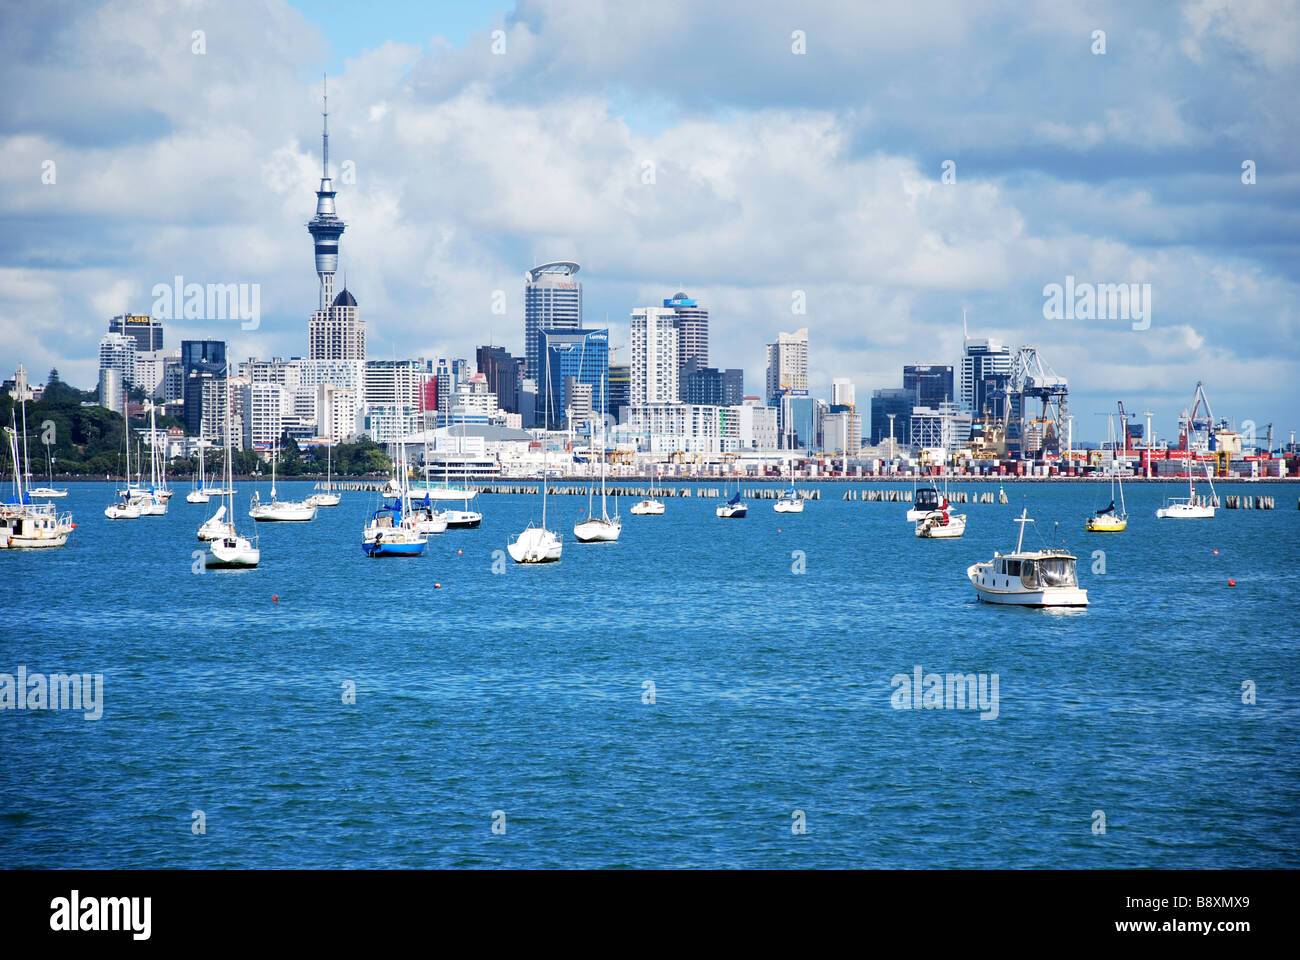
x=788, y=506
x=1106, y=525
x=282, y=513
x=597, y=531
x=535, y=545
x=931, y=529
x=382, y=549
x=1044, y=597
x=731, y=513
x=1183, y=511
x=231, y=554
x=197, y=498
x=462, y=519
x=648, y=508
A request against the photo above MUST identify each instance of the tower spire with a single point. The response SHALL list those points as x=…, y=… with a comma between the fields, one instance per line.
x=325, y=128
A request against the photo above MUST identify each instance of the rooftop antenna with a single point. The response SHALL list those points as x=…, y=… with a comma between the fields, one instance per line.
x=964, y=334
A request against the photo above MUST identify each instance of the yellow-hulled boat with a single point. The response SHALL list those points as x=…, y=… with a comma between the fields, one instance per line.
x=1107, y=523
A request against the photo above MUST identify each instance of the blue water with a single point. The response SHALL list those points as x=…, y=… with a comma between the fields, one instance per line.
x=522, y=692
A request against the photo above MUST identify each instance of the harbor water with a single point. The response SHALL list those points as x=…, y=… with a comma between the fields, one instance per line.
x=702, y=693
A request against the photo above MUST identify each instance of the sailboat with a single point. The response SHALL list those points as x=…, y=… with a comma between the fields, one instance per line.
x=650, y=507
x=1190, y=507
x=25, y=525
x=200, y=492
x=230, y=550
x=602, y=529
x=326, y=497
x=1108, y=519
x=279, y=510
x=538, y=544
x=48, y=492
x=129, y=508
x=733, y=509
x=153, y=502
x=789, y=501
x=392, y=531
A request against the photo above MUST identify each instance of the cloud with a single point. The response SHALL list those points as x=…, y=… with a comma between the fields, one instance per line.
x=682, y=144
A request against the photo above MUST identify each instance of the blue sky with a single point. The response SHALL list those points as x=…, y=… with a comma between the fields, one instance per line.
x=677, y=144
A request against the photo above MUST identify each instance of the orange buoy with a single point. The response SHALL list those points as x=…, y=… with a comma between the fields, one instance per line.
x=1232, y=582
x=1216, y=553
x=460, y=553
x=275, y=598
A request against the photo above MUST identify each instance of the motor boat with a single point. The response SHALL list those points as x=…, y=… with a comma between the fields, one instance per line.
x=1036, y=578
x=941, y=525
x=925, y=501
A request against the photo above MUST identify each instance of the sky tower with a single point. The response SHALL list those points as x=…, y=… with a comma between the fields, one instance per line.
x=326, y=228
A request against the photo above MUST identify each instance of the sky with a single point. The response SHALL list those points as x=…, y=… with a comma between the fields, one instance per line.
x=886, y=166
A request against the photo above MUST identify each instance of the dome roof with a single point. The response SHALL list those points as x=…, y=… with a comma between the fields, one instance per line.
x=345, y=299
x=680, y=295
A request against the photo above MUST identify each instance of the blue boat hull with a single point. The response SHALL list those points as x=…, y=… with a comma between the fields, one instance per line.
x=393, y=549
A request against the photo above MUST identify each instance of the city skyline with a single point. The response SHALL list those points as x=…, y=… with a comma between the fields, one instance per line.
x=457, y=188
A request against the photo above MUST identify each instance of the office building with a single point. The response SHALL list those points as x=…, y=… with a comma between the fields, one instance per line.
x=842, y=392
x=145, y=331
x=582, y=355
x=787, y=365
x=620, y=390
x=899, y=403
x=985, y=369
x=692, y=337
x=116, y=352
x=203, y=362
x=503, y=374
x=931, y=384
x=337, y=332
x=552, y=301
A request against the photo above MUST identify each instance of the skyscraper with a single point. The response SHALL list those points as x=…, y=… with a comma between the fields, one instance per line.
x=203, y=365
x=569, y=359
x=787, y=365
x=692, y=337
x=931, y=383
x=842, y=392
x=116, y=354
x=146, y=331
x=552, y=301
x=655, y=365
x=985, y=367
x=337, y=332
x=503, y=373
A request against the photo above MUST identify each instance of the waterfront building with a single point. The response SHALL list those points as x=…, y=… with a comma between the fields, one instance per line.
x=757, y=427
x=685, y=428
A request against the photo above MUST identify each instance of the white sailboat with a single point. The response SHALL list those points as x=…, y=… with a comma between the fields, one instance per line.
x=128, y=508
x=1190, y=507
x=230, y=550
x=652, y=506
x=735, y=508
x=789, y=501
x=25, y=525
x=537, y=544
x=153, y=501
x=602, y=529
x=48, y=492
x=279, y=511
x=326, y=497
x=200, y=492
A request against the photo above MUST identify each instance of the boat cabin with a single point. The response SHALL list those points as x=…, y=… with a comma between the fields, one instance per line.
x=1047, y=568
x=926, y=498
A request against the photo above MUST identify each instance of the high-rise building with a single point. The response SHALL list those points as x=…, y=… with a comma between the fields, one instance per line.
x=787, y=365
x=842, y=392
x=503, y=373
x=620, y=390
x=552, y=301
x=582, y=355
x=930, y=383
x=145, y=331
x=655, y=366
x=985, y=368
x=708, y=385
x=899, y=403
x=337, y=332
x=203, y=362
x=151, y=371
x=116, y=352
x=692, y=336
